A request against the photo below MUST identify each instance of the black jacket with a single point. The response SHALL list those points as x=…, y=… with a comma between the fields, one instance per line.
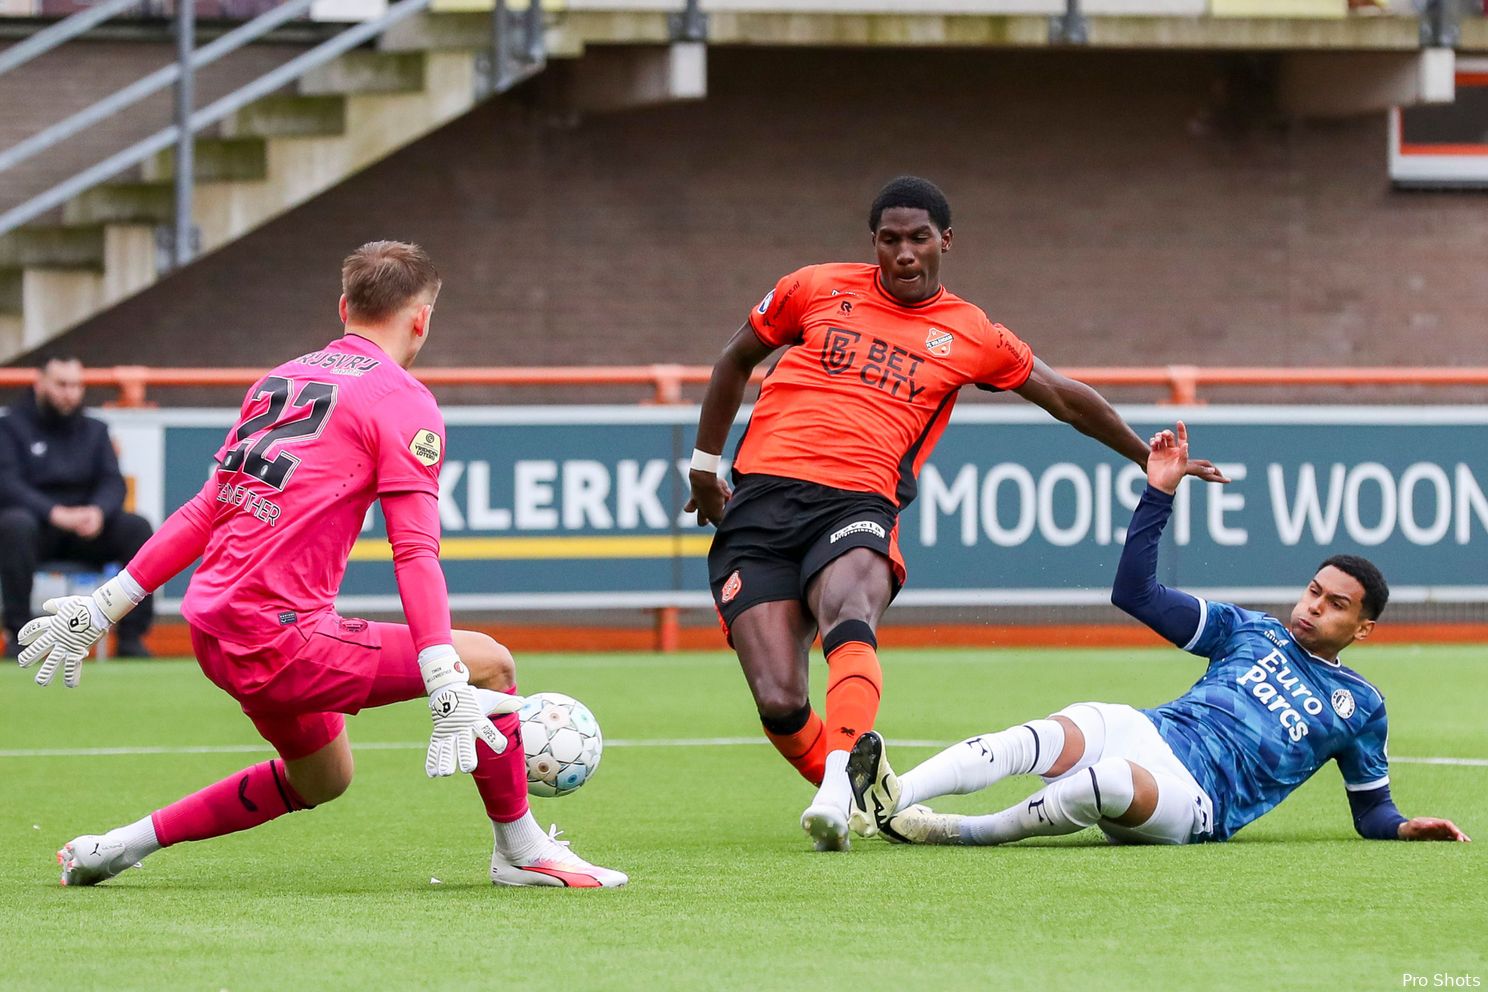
x=72, y=464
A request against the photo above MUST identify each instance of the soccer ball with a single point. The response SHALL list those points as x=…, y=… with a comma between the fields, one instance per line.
x=562, y=741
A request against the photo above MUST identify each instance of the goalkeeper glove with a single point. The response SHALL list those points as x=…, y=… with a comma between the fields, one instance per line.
x=458, y=716
x=73, y=626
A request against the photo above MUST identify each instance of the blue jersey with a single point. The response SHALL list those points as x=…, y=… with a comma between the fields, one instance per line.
x=1266, y=715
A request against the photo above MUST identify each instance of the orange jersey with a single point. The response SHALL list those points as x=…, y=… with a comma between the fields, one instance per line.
x=864, y=391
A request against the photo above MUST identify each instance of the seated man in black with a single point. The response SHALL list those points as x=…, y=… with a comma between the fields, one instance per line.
x=62, y=498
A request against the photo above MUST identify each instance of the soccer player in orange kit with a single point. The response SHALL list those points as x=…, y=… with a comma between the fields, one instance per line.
x=807, y=536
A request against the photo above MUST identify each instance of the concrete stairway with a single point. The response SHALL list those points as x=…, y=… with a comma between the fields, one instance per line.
x=271, y=156
x=268, y=158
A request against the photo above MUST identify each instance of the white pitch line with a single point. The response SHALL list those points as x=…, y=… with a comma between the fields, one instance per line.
x=109, y=752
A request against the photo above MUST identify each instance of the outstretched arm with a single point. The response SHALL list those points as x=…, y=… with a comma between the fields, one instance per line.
x=721, y=402
x=1377, y=818
x=1173, y=614
x=1087, y=411
x=1365, y=767
x=179, y=541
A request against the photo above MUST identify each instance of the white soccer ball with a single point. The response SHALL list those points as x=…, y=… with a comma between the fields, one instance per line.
x=562, y=741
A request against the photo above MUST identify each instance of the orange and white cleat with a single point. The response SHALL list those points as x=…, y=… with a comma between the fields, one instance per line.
x=554, y=865
x=90, y=859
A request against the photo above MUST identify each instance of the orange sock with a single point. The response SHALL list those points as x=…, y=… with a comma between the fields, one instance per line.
x=805, y=749
x=854, y=684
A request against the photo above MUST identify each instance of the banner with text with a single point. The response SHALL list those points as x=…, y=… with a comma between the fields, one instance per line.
x=582, y=506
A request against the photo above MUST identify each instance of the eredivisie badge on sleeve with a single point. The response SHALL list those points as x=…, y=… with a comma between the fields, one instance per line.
x=427, y=448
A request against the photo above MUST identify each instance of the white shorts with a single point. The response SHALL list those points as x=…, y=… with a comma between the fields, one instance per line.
x=1185, y=813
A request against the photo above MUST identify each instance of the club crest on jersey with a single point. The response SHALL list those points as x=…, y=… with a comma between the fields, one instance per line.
x=732, y=586
x=427, y=448
x=938, y=342
x=1343, y=703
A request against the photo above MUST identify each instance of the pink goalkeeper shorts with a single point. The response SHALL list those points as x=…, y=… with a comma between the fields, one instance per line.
x=296, y=687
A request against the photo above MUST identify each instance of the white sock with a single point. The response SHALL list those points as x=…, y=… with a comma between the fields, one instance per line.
x=138, y=838
x=1040, y=815
x=836, y=788
x=1028, y=749
x=521, y=839
x=1063, y=807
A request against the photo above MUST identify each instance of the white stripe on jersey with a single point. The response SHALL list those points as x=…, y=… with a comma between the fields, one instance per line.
x=1366, y=786
x=1203, y=621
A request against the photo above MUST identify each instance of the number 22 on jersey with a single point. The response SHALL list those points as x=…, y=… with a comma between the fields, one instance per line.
x=281, y=423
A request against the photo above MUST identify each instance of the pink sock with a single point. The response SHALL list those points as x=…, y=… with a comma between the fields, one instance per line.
x=501, y=779
x=254, y=795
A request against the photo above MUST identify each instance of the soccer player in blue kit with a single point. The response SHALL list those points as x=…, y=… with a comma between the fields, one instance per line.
x=1274, y=706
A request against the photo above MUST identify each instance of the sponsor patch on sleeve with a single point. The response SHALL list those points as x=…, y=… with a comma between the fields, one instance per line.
x=427, y=448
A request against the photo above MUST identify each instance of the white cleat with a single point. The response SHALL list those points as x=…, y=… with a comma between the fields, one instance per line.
x=554, y=865
x=90, y=859
x=827, y=826
x=875, y=787
x=922, y=825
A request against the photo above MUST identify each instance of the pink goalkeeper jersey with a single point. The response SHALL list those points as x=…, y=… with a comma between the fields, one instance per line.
x=319, y=438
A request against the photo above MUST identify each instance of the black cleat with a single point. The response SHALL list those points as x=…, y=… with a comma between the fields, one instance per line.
x=875, y=787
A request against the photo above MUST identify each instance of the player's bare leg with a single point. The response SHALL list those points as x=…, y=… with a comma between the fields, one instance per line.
x=773, y=641
x=848, y=597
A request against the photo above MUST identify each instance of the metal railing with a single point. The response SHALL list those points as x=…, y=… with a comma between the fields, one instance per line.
x=1181, y=383
x=66, y=29
x=189, y=122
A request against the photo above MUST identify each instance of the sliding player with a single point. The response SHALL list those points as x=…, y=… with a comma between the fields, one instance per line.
x=875, y=357
x=321, y=437
x=1274, y=706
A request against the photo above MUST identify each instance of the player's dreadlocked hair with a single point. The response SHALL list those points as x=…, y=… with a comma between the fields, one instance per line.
x=911, y=191
x=382, y=277
x=1376, y=591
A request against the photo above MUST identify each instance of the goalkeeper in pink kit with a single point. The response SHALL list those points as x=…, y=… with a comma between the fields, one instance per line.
x=319, y=438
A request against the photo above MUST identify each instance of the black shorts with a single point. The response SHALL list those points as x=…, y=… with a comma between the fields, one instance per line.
x=778, y=533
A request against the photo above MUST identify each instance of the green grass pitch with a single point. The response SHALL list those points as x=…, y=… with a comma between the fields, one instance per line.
x=724, y=891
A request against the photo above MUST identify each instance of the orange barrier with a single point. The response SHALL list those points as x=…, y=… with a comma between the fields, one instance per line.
x=1181, y=382
x=169, y=639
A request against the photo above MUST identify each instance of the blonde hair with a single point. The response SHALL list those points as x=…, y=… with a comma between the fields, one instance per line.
x=382, y=277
